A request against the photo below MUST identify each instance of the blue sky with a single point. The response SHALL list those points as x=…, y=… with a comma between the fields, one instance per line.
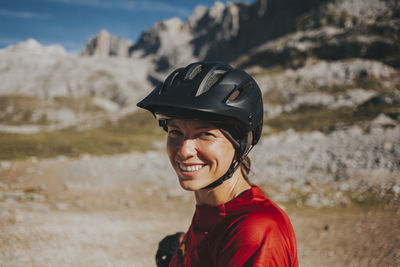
x=72, y=22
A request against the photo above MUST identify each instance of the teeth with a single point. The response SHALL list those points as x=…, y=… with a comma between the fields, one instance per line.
x=190, y=168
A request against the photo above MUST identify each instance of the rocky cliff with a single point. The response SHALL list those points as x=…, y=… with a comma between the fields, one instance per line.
x=104, y=44
x=335, y=31
x=221, y=32
x=271, y=33
x=266, y=34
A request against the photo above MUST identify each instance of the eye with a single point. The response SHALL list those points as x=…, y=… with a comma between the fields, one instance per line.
x=206, y=135
x=174, y=132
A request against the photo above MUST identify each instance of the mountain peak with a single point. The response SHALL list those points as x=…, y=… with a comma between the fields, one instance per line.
x=216, y=11
x=106, y=44
x=197, y=14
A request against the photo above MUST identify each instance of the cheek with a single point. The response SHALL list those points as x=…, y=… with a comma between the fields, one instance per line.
x=171, y=147
x=222, y=153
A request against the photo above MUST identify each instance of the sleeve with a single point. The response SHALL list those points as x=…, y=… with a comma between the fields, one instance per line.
x=258, y=240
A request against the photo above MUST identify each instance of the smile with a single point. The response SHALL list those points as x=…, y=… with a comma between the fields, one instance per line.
x=190, y=168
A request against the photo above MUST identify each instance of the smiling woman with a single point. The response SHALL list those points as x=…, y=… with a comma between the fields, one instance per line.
x=213, y=115
x=199, y=152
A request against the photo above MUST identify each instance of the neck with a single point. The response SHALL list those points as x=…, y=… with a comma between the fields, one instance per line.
x=223, y=193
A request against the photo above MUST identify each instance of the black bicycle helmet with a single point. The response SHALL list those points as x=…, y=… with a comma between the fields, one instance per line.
x=215, y=92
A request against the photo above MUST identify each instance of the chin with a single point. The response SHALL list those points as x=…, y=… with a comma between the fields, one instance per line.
x=191, y=185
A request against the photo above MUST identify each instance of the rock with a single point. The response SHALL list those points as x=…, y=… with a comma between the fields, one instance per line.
x=104, y=44
x=42, y=187
x=396, y=189
x=5, y=215
x=5, y=165
x=61, y=206
x=128, y=203
x=383, y=120
x=106, y=104
x=78, y=203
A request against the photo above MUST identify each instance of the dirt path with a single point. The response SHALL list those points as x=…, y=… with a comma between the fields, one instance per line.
x=98, y=212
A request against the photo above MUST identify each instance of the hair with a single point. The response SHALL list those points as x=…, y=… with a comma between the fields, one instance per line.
x=233, y=134
x=245, y=169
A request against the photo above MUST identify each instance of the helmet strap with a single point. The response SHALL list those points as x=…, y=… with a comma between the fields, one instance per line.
x=229, y=173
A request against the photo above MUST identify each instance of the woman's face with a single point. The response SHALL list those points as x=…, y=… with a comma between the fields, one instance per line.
x=199, y=152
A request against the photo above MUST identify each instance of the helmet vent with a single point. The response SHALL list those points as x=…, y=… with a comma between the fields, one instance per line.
x=169, y=81
x=193, y=71
x=174, y=80
x=234, y=95
x=239, y=92
x=210, y=82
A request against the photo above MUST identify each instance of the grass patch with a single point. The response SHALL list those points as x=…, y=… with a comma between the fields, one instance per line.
x=136, y=132
x=17, y=110
x=319, y=118
x=82, y=104
x=24, y=110
x=369, y=200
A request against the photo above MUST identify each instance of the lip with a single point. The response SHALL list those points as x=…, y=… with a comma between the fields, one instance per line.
x=190, y=169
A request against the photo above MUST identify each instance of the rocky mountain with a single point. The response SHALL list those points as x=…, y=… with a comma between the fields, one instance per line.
x=328, y=30
x=331, y=54
x=104, y=44
x=335, y=54
x=335, y=31
x=46, y=88
x=222, y=32
x=47, y=71
x=265, y=34
x=165, y=45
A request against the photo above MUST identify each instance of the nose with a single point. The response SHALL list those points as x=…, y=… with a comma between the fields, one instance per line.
x=187, y=148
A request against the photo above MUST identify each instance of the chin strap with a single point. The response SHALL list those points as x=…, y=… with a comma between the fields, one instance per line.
x=229, y=173
x=226, y=176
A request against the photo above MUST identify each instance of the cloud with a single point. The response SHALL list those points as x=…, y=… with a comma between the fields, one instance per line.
x=163, y=7
x=140, y=5
x=22, y=14
x=91, y=3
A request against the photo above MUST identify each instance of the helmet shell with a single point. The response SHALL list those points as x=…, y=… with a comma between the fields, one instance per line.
x=210, y=91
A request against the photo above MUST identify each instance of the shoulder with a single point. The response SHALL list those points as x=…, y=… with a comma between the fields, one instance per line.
x=261, y=236
x=260, y=210
x=263, y=221
x=255, y=218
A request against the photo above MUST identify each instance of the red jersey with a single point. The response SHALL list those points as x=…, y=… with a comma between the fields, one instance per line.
x=249, y=230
